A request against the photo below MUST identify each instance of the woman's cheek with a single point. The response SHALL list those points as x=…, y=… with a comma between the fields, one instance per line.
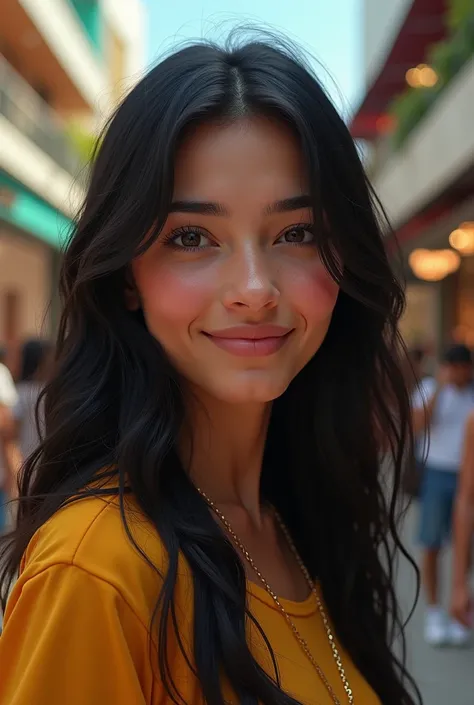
x=176, y=294
x=313, y=291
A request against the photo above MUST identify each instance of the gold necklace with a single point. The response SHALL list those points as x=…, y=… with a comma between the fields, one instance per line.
x=302, y=642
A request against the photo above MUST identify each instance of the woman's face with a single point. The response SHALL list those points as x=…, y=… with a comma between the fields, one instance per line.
x=234, y=288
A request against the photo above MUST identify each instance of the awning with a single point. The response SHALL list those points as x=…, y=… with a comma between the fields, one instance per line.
x=424, y=25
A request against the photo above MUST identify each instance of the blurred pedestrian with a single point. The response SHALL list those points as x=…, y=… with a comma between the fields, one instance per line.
x=441, y=407
x=206, y=522
x=416, y=361
x=414, y=370
x=9, y=455
x=462, y=603
x=35, y=366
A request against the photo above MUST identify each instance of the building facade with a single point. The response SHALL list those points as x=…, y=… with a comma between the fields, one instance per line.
x=64, y=64
x=416, y=119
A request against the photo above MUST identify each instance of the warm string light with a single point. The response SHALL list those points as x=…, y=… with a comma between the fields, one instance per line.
x=421, y=76
x=433, y=265
x=462, y=239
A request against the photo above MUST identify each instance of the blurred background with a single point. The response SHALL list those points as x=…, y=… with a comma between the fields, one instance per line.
x=416, y=117
x=400, y=71
x=64, y=65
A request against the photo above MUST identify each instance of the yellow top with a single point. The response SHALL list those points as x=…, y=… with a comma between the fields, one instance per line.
x=76, y=625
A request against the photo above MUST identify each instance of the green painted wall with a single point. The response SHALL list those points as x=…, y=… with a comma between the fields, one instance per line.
x=90, y=16
x=28, y=212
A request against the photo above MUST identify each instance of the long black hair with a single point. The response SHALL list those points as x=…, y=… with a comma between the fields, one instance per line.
x=115, y=400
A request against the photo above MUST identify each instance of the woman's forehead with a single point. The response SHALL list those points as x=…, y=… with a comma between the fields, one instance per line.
x=225, y=162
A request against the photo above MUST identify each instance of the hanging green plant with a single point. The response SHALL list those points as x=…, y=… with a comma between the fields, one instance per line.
x=459, y=12
x=446, y=58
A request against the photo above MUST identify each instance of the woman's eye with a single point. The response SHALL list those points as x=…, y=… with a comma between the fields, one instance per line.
x=296, y=236
x=191, y=239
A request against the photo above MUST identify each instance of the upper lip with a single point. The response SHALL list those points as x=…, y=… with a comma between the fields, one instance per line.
x=251, y=332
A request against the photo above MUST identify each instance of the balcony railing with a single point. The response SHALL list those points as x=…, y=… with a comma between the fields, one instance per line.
x=26, y=110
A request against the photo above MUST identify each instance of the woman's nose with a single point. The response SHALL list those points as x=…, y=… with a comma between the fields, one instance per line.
x=249, y=282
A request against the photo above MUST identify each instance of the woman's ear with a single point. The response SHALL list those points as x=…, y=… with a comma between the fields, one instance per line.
x=131, y=296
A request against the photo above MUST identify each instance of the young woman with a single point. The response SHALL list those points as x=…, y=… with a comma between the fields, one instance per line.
x=204, y=521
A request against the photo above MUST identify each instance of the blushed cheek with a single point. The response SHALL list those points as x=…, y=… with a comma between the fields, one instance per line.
x=313, y=292
x=174, y=297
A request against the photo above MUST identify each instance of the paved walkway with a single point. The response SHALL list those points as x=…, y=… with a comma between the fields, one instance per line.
x=444, y=676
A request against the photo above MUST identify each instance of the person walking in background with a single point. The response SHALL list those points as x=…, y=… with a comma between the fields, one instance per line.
x=9, y=455
x=33, y=377
x=462, y=603
x=416, y=359
x=413, y=370
x=441, y=406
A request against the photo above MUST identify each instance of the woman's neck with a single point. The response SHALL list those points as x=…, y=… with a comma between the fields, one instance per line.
x=223, y=452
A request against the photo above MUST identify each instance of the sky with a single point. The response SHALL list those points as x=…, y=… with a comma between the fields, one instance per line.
x=329, y=29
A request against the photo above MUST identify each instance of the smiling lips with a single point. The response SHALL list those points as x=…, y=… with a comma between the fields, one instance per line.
x=251, y=340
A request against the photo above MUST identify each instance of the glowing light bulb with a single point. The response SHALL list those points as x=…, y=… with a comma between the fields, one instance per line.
x=433, y=265
x=462, y=239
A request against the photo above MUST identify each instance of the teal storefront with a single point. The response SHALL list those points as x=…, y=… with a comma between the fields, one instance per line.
x=26, y=211
x=89, y=14
x=32, y=235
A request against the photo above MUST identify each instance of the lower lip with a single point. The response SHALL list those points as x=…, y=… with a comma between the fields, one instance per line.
x=246, y=347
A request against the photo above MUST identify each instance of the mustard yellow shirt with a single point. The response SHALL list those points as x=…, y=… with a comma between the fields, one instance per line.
x=77, y=623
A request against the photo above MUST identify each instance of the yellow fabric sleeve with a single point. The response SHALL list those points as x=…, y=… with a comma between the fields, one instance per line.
x=70, y=638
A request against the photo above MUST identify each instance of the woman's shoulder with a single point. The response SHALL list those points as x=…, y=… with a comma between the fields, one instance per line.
x=90, y=534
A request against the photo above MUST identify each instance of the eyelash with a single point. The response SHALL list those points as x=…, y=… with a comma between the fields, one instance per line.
x=183, y=230
x=169, y=240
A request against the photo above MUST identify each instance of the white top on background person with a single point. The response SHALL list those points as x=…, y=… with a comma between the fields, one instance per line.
x=8, y=392
x=8, y=399
x=445, y=404
x=24, y=415
x=35, y=360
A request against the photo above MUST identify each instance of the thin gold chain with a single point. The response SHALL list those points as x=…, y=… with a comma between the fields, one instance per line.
x=300, y=639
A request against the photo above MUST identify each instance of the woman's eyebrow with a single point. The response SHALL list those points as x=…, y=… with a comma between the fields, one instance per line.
x=201, y=207
x=211, y=208
x=294, y=203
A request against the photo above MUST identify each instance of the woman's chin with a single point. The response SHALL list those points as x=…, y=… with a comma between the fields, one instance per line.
x=254, y=386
